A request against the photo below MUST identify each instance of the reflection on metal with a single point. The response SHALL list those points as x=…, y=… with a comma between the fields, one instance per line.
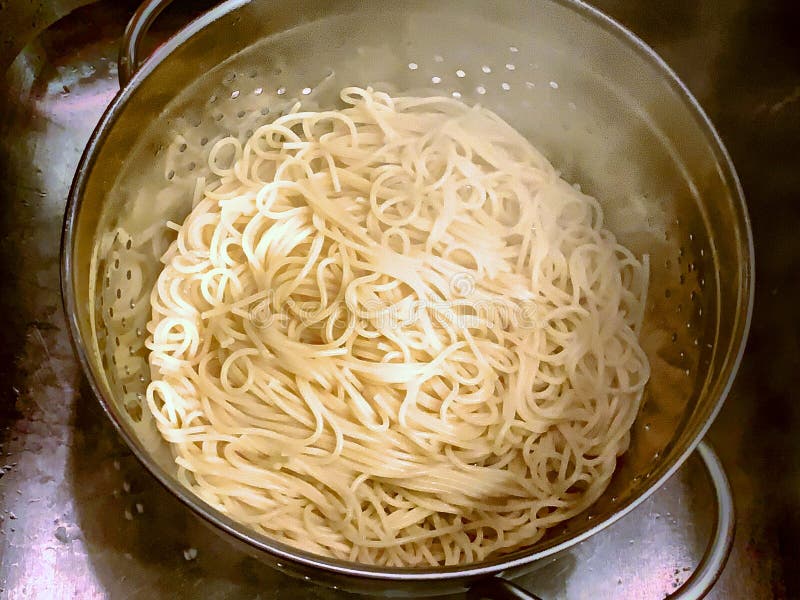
x=22, y=21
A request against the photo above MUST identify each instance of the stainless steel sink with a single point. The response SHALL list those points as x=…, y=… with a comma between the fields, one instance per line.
x=80, y=518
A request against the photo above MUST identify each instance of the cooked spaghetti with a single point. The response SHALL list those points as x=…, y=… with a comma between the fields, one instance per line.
x=393, y=334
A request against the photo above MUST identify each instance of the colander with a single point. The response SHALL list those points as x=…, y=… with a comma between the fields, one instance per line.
x=601, y=105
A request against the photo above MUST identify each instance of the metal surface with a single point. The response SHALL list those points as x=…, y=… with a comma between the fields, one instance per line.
x=22, y=21
x=77, y=529
x=713, y=561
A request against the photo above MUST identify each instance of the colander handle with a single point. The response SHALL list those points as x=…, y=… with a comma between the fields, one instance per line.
x=704, y=576
x=130, y=46
x=719, y=548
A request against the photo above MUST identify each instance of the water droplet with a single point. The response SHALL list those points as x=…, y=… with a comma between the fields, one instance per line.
x=66, y=534
x=505, y=86
x=554, y=85
x=481, y=90
x=510, y=67
x=413, y=66
x=486, y=69
x=190, y=553
x=460, y=73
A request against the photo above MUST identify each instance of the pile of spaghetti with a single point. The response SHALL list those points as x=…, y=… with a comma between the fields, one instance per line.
x=392, y=334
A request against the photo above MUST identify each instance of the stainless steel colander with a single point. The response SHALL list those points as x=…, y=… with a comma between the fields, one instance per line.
x=603, y=107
